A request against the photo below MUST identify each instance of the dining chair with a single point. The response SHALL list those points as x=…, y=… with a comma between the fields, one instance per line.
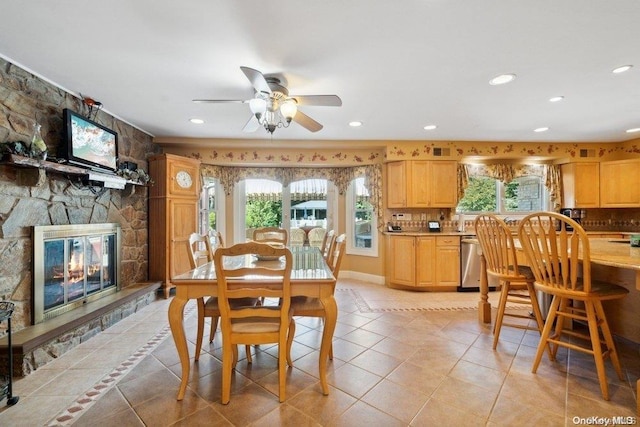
x=516, y=281
x=556, y=256
x=327, y=243
x=271, y=234
x=297, y=237
x=201, y=253
x=253, y=324
x=317, y=236
x=310, y=306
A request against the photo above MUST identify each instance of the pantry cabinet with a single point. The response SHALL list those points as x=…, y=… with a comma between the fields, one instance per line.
x=580, y=185
x=422, y=184
x=619, y=184
x=423, y=262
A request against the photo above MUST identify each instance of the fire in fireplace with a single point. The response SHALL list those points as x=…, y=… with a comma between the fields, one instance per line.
x=72, y=265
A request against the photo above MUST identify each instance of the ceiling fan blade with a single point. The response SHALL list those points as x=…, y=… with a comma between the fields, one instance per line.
x=320, y=100
x=257, y=80
x=306, y=122
x=252, y=125
x=219, y=101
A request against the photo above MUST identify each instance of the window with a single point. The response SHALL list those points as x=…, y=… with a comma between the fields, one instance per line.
x=211, y=211
x=361, y=221
x=522, y=195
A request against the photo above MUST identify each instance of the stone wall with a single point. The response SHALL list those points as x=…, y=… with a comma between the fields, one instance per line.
x=25, y=100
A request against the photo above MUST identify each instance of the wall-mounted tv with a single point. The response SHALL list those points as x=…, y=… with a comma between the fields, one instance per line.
x=89, y=144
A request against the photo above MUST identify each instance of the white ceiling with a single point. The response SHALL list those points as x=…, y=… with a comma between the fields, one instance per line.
x=397, y=66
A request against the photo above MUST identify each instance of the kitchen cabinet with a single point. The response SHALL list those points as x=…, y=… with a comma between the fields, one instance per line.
x=423, y=262
x=422, y=184
x=173, y=215
x=619, y=184
x=580, y=185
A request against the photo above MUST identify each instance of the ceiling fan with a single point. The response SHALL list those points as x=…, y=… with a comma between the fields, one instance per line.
x=272, y=106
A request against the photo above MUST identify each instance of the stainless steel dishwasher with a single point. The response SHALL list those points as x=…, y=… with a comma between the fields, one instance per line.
x=469, y=265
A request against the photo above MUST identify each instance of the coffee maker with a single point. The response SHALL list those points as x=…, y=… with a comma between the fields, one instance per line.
x=574, y=214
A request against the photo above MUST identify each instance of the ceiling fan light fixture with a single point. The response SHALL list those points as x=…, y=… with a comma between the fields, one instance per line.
x=288, y=109
x=258, y=106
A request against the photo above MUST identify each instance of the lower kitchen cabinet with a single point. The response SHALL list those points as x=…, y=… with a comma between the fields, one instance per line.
x=419, y=262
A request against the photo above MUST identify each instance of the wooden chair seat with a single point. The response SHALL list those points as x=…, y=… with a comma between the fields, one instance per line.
x=555, y=256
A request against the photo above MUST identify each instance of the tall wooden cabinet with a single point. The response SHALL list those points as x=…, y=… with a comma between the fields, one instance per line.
x=173, y=215
x=580, y=185
x=619, y=184
x=422, y=184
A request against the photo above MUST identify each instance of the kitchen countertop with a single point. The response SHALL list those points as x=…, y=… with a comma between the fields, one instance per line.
x=472, y=233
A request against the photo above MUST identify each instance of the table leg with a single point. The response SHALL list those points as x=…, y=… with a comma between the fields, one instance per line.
x=176, y=319
x=484, y=306
x=331, y=316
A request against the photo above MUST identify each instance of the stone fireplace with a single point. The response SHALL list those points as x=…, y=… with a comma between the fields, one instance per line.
x=73, y=265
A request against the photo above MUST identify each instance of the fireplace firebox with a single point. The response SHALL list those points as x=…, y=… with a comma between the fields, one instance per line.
x=73, y=265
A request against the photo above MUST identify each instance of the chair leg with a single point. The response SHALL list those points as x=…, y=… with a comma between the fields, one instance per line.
x=247, y=349
x=608, y=339
x=548, y=324
x=227, y=366
x=282, y=347
x=290, y=334
x=214, y=326
x=597, y=348
x=234, y=351
x=537, y=313
x=504, y=293
x=200, y=328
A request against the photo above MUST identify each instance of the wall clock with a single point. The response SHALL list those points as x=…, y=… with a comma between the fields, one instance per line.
x=183, y=179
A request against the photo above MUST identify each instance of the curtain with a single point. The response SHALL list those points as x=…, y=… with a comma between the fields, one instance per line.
x=341, y=177
x=508, y=172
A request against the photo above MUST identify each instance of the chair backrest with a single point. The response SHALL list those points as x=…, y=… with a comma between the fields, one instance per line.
x=199, y=249
x=553, y=253
x=327, y=243
x=297, y=237
x=337, y=251
x=271, y=234
x=317, y=236
x=262, y=279
x=497, y=246
x=216, y=240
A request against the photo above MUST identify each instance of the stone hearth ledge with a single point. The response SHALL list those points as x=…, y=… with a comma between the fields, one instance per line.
x=36, y=345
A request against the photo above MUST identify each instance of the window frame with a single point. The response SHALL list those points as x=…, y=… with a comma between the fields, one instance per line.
x=350, y=211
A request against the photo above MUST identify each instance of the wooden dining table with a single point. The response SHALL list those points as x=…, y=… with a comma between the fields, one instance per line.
x=310, y=276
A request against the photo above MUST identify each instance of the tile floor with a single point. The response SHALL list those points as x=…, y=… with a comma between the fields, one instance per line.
x=392, y=368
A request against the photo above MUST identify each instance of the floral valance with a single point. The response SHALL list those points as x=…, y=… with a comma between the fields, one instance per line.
x=508, y=172
x=229, y=176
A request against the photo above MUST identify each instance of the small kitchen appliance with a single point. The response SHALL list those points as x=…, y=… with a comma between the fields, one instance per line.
x=574, y=214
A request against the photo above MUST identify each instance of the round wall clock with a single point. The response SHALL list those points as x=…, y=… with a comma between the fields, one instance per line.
x=184, y=179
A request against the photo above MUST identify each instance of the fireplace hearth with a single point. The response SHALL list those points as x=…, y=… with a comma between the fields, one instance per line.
x=73, y=265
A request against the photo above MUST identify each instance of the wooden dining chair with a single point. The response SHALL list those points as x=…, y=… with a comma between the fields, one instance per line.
x=201, y=253
x=271, y=235
x=327, y=243
x=516, y=281
x=556, y=256
x=317, y=236
x=253, y=324
x=297, y=237
x=310, y=306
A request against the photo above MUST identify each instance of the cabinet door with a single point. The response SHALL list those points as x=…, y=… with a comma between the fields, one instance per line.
x=401, y=260
x=426, y=261
x=619, y=184
x=183, y=217
x=580, y=185
x=396, y=184
x=418, y=183
x=448, y=261
x=443, y=184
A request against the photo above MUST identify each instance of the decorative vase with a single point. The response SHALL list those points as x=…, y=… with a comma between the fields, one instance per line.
x=38, y=148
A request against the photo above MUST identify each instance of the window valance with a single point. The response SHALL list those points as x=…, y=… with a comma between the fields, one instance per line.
x=508, y=172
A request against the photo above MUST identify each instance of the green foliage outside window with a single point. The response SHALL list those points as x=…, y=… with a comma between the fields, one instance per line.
x=480, y=196
x=263, y=213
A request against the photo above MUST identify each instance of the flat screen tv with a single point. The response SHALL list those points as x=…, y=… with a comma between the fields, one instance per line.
x=89, y=144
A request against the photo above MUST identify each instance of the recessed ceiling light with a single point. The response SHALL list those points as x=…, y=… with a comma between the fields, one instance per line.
x=355, y=124
x=502, y=79
x=633, y=130
x=542, y=129
x=621, y=69
x=556, y=99
x=430, y=127
x=197, y=121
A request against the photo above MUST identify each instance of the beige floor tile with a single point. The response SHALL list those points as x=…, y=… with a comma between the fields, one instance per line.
x=207, y=416
x=33, y=410
x=488, y=378
x=286, y=415
x=425, y=379
x=353, y=380
x=439, y=413
x=396, y=400
x=248, y=405
x=379, y=363
x=361, y=414
x=466, y=396
x=112, y=403
x=346, y=350
x=523, y=412
x=163, y=409
x=321, y=408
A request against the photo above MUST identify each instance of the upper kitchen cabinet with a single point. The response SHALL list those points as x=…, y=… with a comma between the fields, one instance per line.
x=619, y=184
x=580, y=185
x=422, y=184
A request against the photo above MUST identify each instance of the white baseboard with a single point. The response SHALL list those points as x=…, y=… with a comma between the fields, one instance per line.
x=371, y=278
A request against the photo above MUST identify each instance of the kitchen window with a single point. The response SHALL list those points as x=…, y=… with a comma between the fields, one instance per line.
x=361, y=223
